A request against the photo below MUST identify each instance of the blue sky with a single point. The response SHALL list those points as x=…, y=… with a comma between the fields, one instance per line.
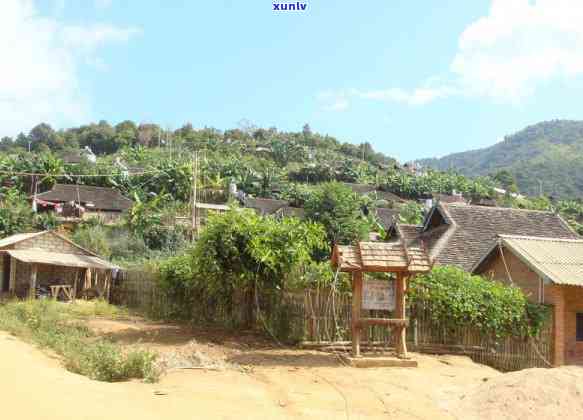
x=415, y=78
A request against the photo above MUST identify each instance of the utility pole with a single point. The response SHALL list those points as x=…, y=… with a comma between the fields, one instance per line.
x=540, y=188
x=194, y=179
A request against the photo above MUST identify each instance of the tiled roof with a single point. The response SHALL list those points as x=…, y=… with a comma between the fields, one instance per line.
x=557, y=260
x=466, y=232
x=380, y=257
x=101, y=197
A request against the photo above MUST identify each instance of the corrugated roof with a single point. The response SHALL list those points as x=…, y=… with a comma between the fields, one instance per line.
x=19, y=237
x=39, y=256
x=557, y=260
x=380, y=256
x=102, y=198
x=264, y=206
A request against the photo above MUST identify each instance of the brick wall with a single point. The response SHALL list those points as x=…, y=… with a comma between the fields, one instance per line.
x=49, y=242
x=567, y=301
x=522, y=276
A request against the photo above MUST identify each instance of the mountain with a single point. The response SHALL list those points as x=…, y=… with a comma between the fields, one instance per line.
x=548, y=155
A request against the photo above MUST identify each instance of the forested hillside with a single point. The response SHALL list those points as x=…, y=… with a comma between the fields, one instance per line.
x=154, y=167
x=545, y=157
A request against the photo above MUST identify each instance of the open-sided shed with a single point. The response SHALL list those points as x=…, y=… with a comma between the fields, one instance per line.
x=45, y=259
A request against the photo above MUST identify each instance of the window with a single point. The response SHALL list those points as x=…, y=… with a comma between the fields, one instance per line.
x=580, y=327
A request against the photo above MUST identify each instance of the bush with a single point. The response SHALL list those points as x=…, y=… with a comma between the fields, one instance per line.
x=93, y=238
x=456, y=298
x=50, y=324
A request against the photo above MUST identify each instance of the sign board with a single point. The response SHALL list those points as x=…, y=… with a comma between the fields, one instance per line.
x=378, y=294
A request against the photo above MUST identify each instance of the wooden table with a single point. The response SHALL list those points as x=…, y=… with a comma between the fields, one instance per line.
x=67, y=289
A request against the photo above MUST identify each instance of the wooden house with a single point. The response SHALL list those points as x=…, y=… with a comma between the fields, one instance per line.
x=459, y=234
x=105, y=203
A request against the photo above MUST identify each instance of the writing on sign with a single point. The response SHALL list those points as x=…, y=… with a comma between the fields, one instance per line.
x=378, y=294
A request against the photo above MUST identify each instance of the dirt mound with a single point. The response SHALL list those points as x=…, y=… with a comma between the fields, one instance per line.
x=528, y=394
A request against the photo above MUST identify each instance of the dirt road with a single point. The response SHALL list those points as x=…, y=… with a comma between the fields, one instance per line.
x=279, y=384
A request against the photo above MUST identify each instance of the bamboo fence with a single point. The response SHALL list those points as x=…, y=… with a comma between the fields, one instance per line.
x=323, y=316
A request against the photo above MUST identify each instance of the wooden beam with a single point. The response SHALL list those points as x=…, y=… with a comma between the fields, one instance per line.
x=356, y=309
x=383, y=321
x=33, y=272
x=401, y=342
x=12, y=285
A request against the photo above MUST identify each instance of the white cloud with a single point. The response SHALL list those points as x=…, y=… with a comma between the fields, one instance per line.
x=39, y=74
x=335, y=101
x=518, y=46
x=418, y=96
x=92, y=36
x=506, y=55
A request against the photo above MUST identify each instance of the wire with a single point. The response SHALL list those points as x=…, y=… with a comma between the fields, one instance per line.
x=75, y=175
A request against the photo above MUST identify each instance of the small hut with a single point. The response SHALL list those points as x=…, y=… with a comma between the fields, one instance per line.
x=403, y=260
x=47, y=260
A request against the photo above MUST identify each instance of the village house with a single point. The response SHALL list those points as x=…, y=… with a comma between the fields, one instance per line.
x=30, y=262
x=549, y=271
x=534, y=250
x=460, y=234
x=86, y=201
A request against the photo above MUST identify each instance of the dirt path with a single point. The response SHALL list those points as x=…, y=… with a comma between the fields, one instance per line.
x=278, y=384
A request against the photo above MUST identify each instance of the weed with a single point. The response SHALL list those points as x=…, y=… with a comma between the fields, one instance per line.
x=53, y=325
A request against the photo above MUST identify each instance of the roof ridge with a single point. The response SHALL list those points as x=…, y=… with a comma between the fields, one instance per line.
x=540, y=238
x=86, y=186
x=489, y=208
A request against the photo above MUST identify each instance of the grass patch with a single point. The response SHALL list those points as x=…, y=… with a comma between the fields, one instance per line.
x=56, y=326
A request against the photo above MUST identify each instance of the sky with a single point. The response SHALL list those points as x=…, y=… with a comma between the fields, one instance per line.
x=416, y=78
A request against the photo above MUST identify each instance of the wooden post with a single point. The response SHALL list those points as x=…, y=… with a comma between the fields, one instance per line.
x=12, y=285
x=33, y=271
x=401, y=343
x=76, y=274
x=356, y=308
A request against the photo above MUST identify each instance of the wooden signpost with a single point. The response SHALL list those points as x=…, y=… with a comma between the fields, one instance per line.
x=388, y=257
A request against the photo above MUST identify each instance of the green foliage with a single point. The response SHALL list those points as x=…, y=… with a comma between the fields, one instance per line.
x=93, y=238
x=411, y=213
x=458, y=299
x=339, y=210
x=241, y=249
x=51, y=324
x=15, y=213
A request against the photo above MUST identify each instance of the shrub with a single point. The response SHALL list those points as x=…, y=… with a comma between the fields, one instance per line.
x=50, y=324
x=456, y=298
x=93, y=238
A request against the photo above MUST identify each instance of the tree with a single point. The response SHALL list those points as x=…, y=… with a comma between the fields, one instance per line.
x=335, y=206
x=411, y=213
x=506, y=180
x=44, y=135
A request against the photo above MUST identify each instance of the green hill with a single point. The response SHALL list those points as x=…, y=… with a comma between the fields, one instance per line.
x=548, y=153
